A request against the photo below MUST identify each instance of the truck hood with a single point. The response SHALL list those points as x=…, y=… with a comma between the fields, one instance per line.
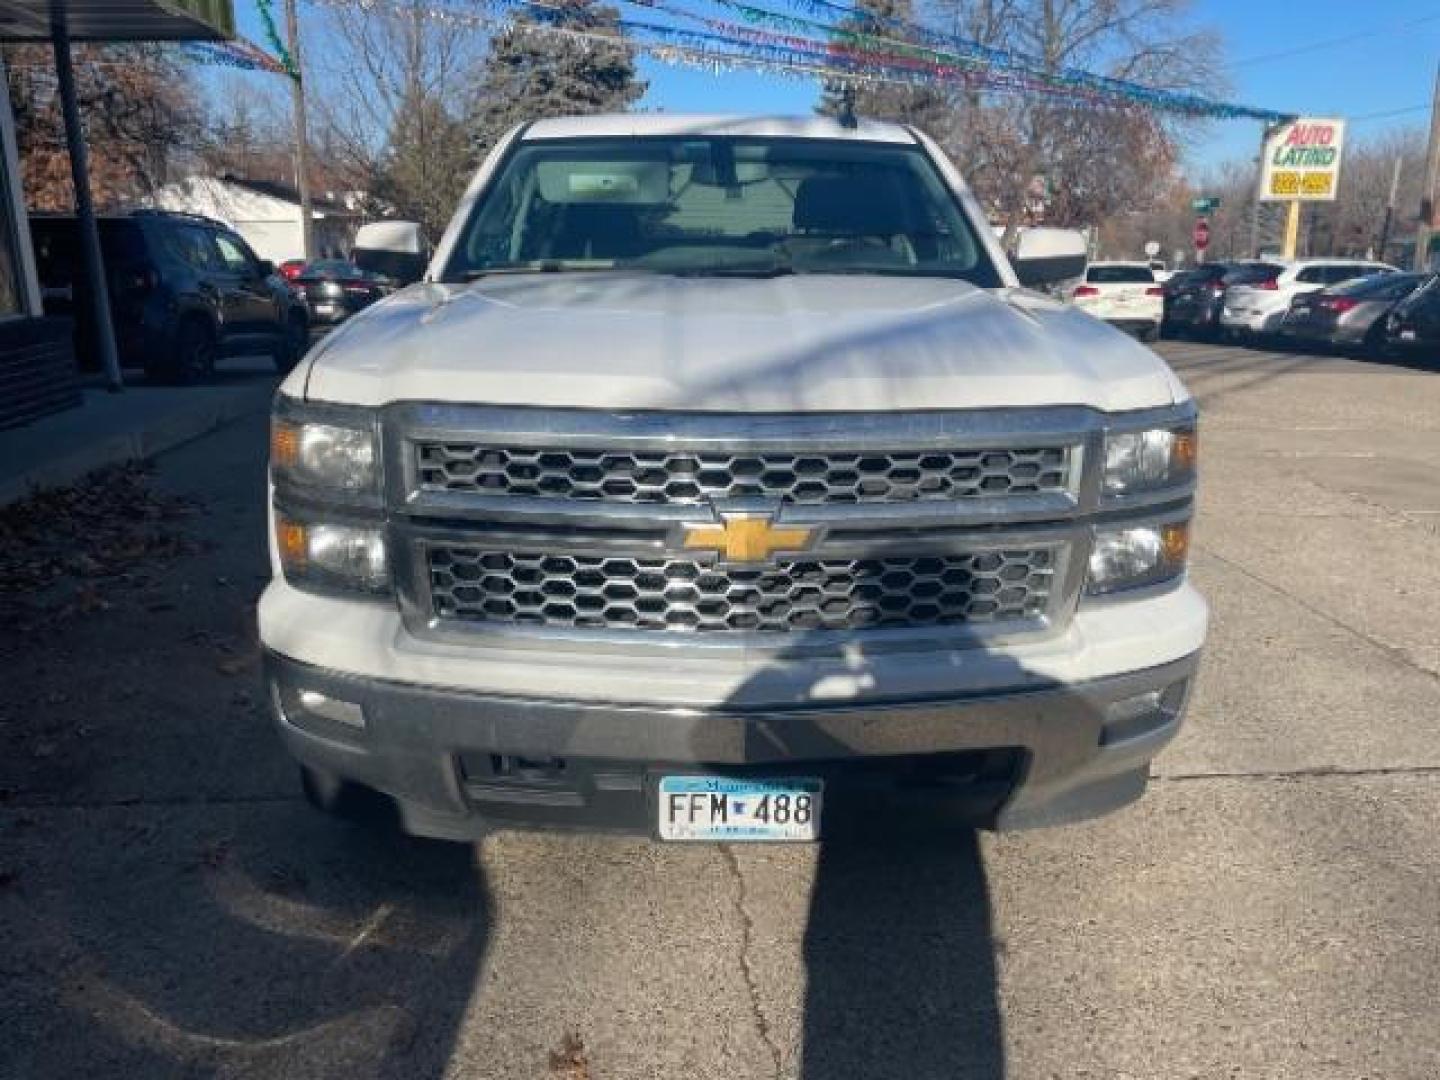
x=807, y=343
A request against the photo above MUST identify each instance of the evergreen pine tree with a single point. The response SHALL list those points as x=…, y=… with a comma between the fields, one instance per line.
x=926, y=106
x=530, y=74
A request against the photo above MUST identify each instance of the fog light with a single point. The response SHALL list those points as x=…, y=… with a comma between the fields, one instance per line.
x=1132, y=717
x=328, y=708
x=303, y=708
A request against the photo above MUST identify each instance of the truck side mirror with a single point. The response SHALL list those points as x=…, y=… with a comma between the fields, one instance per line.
x=392, y=249
x=1045, y=256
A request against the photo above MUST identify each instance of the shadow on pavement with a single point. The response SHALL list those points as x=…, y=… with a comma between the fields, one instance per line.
x=901, y=976
x=901, y=962
x=256, y=940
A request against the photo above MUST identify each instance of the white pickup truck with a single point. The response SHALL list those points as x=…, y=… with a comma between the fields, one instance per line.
x=721, y=481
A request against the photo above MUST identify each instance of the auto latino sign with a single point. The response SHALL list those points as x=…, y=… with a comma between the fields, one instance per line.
x=1302, y=161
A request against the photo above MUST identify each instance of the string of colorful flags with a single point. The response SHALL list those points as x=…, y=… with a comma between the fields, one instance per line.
x=272, y=35
x=240, y=53
x=812, y=38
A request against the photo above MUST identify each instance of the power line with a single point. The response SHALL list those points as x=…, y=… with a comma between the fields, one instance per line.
x=1330, y=43
x=1387, y=113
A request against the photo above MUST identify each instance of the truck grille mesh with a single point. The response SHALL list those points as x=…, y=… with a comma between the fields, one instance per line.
x=695, y=477
x=473, y=584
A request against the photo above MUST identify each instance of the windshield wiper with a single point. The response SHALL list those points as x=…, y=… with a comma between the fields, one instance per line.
x=539, y=266
x=774, y=270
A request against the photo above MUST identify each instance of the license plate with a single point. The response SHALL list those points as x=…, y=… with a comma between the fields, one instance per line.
x=1407, y=335
x=325, y=309
x=724, y=809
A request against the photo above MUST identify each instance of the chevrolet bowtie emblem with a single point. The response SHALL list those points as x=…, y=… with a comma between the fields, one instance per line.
x=747, y=537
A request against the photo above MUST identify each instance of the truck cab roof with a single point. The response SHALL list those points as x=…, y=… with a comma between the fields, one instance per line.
x=709, y=126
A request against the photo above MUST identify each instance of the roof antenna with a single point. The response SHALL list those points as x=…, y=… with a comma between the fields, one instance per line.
x=847, y=116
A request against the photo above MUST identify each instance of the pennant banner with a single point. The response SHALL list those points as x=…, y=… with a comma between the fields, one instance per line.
x=803, y=42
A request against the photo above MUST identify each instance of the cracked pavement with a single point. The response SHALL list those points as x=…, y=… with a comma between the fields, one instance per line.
x=169, y=906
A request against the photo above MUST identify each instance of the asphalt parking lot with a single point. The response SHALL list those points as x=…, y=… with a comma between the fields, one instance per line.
x=169, y=907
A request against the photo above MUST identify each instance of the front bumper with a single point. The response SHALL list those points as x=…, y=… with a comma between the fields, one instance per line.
x=1196, y=314
x=1251, y=320
x=459, y=762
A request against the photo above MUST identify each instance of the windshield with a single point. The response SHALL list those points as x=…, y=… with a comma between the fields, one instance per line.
x=1251, y=273
x=1120, y=275
x=332, y=268
x=743, y=206
x=1378, y=286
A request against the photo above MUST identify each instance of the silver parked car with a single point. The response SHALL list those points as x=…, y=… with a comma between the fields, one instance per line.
x=1350, y=315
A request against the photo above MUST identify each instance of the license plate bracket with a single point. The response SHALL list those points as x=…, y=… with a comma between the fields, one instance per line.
x=723, y=809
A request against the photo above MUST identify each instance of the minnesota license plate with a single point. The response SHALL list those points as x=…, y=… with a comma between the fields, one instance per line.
x=723, y=809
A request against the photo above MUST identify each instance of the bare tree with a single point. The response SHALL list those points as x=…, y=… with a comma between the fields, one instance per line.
x=1075, y=163
x=388, y=93
x=1352, y=224
x=248, y=132
x=140, y=114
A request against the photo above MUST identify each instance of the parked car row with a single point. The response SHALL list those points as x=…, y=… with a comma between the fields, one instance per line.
x=186, y=291
x=1350, y=304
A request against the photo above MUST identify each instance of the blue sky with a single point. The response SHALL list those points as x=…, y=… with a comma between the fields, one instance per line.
x=1282, y=54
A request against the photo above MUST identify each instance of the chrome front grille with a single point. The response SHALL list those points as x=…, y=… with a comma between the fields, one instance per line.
x=637, y=530
x=688, y=478
x=476, y=584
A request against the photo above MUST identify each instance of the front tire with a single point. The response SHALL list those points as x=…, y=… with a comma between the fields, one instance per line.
x=347, y=800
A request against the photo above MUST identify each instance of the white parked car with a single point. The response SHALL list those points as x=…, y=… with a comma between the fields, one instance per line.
x=1257, y=300
x=720, y=474
x=1124, y=294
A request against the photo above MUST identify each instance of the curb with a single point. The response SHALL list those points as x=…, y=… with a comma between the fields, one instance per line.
x=184, y=425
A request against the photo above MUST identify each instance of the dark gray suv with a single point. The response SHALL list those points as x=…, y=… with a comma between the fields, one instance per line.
x=184, y=291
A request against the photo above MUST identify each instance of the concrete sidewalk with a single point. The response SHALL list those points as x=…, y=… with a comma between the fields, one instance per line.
x=109, y=428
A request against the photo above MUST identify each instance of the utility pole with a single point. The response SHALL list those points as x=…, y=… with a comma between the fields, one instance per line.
x=1390, y=210
x=302, y=138
x=1430, y=194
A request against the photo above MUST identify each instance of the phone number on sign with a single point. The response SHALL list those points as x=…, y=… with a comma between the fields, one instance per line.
x=1298, y=183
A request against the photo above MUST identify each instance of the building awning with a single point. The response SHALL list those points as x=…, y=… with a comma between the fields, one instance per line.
x=120, y=20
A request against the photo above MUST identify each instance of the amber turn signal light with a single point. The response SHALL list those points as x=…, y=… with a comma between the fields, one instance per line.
x=284, y=444
x=291, y=542
x=1175, y=543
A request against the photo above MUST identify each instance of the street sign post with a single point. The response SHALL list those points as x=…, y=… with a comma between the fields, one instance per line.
x=1205, y=204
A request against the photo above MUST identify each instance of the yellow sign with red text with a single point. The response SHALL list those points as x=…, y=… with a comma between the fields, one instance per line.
x=1302, y=161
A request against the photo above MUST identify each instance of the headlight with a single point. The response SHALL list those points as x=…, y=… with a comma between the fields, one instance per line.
x=332, y=454
x=1138, y=555
x=1138, y=461
x=332, y=555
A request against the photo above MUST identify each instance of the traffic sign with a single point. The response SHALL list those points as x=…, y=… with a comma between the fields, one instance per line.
x=1201, y=234
x=1205, y=204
